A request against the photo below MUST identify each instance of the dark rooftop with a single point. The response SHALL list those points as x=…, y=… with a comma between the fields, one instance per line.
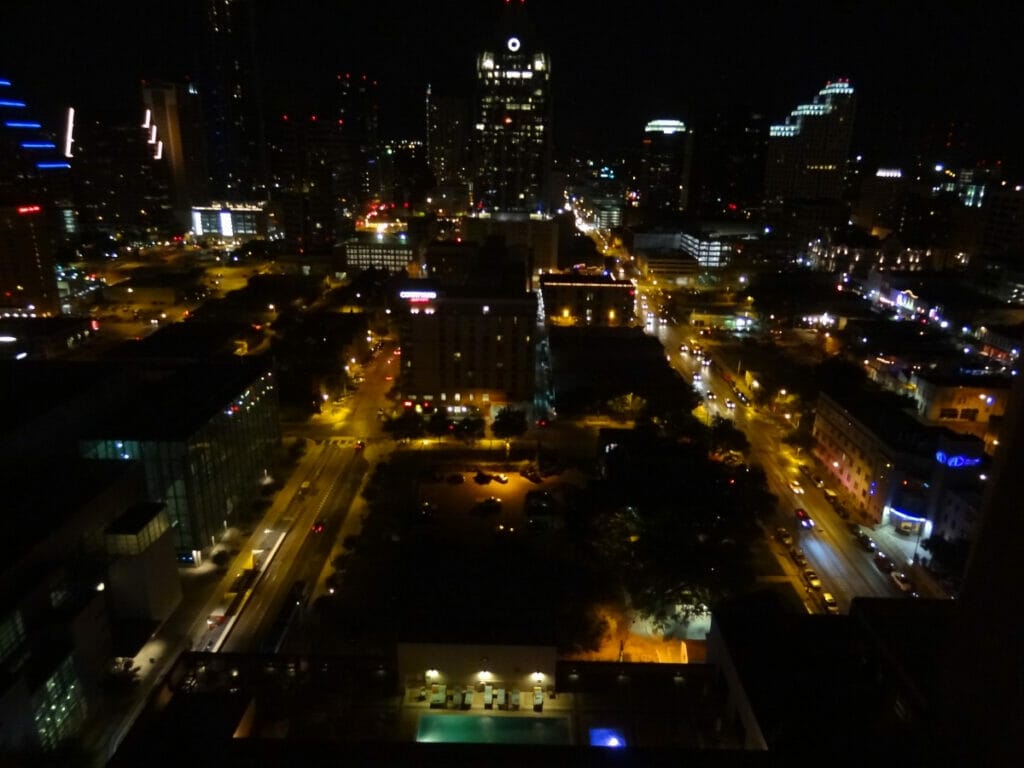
x=175, y=407
x=135, y=518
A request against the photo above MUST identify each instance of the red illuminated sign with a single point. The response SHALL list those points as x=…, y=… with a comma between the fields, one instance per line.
x=24, y=209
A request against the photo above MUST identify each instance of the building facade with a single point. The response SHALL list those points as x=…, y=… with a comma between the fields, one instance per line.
x=206, y=461
x=586, y=297
x=665, y=165
x=467, y=349
x=513, y=120
x=229, y=87
x=807, y=154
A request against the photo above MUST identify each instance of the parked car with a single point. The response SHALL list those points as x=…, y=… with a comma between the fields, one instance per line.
x=500, y=478
x=795, y=487
x=885, y=565
x=811, y=577
x=798, y=557
x=829, y=601
x=866, y=542
x=784, y=536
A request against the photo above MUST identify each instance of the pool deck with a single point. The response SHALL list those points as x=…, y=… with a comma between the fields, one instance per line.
x=412, y=708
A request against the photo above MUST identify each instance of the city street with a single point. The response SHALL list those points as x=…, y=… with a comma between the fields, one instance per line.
x=845, y=569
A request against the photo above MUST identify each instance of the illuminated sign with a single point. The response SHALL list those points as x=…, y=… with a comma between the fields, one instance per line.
x=514, y=44
x=24, y=209
x=418, y=295
x=956, y=462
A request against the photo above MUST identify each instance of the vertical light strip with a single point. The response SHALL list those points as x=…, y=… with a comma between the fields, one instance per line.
x=152, y=134
x=159, y=151
x=69, y=132
x=148, y=120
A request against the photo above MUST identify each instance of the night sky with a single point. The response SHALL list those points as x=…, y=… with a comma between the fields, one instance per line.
x=614, y=69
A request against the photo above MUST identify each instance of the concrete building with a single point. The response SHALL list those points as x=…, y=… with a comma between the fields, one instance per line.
x=472, y=347
x=586, y=297
x=894, y=468
x=68, y=594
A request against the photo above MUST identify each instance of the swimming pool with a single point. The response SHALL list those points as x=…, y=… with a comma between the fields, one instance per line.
x=485, y=729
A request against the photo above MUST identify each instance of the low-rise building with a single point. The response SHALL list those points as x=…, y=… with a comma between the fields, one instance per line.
x=586, y=297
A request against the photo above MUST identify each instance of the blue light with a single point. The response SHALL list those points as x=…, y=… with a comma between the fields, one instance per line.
x=956, y=462
x=48, y=166
x=5, y=103
x=908, y=516
x=5, y=83
x=607, y=737
x=38, y=145
x=16, y=124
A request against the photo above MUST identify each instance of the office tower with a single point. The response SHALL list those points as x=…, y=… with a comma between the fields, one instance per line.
x=120, y=187
x=232, y=103
x=308, y=155
x=406, y=177
x=665, y=165
x=34, y=205
x=174, y=110
x=358, y=115
x=513, y=119
x=447, y=134
x=728, y=167
x=807, y=154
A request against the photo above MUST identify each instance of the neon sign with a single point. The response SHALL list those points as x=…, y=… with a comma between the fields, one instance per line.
x=956, y=462
x=418, y=295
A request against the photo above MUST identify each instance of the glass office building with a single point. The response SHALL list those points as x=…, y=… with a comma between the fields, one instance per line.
x=205, y=438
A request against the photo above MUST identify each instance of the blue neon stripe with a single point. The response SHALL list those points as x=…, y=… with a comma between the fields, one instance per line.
x=15, y=124
x=37, y=145
x=6, y=103
x=45, y=166
x=5, y=83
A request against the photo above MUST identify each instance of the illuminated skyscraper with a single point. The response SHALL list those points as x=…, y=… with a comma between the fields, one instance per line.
x=807, y=154
x=232, y=102
x=34, y=205
x=666, y=156
x=513, y=119
x=175, y=111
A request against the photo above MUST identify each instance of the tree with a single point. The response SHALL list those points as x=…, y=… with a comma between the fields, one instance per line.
x=626, y=407
x=470, y=427
x=407, y=425
x=439, y=424
x=509, y=422
x=725, y=436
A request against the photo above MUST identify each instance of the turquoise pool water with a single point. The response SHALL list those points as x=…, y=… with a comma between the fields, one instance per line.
x=484, y=729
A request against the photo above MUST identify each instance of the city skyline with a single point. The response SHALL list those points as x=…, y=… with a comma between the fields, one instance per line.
x=916, y=72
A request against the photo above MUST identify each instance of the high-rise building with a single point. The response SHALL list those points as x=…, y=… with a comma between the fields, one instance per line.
x=34, y=205
x=232, y=102
x=807, y=154
x=358, y=115
x=308, y=155
x=665, y=165
x=513, y=119
x=728, y=172
x=174, y=110
x=447, y=121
